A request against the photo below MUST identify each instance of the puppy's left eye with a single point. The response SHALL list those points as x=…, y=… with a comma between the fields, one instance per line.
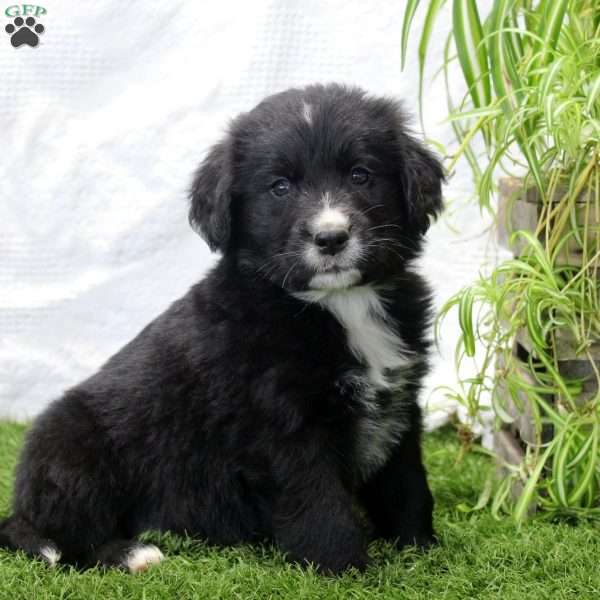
x=359, y=175
x=281, y=187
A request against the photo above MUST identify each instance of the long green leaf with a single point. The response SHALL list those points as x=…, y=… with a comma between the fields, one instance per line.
x=472, y=53
x=498, y=54
x=434, y=7
x=508, y=84
x=457, y=127
x=558, y=468
x=548, y=29
x=409, y=14
x=550, y=78
x=590, y=470
x=528, y=492
x=484, y=111
x=518, y=40
x=593, y=94
x=465, y=318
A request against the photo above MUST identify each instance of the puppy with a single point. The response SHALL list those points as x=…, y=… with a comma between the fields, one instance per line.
x=280, y=392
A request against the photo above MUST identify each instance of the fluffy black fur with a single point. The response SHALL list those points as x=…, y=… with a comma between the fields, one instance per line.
x=230, y=417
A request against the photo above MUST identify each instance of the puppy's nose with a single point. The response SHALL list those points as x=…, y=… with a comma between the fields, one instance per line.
x=331, y=241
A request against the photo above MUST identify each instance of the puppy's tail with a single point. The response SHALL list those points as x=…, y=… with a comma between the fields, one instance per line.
x=17, y=533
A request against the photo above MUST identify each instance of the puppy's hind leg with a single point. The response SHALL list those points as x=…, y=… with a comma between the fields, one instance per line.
x=129, y=555
x=16, y=533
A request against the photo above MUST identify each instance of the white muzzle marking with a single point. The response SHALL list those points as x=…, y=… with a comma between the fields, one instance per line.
x=335, y=280
x=338, y=270
x=329, y=218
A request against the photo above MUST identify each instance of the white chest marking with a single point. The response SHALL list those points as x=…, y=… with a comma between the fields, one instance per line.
x=373, y=340
x=370, y=334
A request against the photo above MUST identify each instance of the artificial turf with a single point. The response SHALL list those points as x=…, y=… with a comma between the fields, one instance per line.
x=478, y=557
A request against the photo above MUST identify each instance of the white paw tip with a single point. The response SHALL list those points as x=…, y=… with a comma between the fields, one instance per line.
x=143, y=557
x=50, y=554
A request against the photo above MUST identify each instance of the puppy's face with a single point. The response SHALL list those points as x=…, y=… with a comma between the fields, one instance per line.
x=319, y=188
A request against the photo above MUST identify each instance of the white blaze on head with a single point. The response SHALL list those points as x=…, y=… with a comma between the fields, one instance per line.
x=307, y=112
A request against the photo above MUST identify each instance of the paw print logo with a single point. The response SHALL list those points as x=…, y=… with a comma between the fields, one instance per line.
x=24, y=32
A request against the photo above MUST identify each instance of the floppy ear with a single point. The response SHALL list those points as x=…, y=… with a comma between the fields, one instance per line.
x=422, y=178
x=210, y=197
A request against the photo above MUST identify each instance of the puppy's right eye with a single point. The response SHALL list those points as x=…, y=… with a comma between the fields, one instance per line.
x=359, y=175
x=281, y=187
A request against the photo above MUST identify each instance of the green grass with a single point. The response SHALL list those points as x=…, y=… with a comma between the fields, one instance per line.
x=478, y=557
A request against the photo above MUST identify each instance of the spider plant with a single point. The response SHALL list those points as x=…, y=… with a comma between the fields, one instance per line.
x=532, y=110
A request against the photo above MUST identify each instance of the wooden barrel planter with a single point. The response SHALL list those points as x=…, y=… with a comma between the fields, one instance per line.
x=519, y=209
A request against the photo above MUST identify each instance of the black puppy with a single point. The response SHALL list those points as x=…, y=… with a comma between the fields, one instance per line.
x=280, y=391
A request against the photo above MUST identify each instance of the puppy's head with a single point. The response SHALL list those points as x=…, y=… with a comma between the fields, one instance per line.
x=318, y=188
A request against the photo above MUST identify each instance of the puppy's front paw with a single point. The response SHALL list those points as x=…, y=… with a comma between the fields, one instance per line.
x=420, y=540
x=331, y=559
x=335, y=565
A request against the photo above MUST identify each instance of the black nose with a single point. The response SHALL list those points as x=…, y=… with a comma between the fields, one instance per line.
x=331, y=241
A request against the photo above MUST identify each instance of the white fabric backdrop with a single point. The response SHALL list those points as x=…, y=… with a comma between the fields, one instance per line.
x=101, y=126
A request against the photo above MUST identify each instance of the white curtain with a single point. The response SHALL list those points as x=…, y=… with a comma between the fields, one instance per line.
x=101, y=126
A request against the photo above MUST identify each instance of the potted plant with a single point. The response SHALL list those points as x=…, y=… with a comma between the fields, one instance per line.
x=532, y=113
